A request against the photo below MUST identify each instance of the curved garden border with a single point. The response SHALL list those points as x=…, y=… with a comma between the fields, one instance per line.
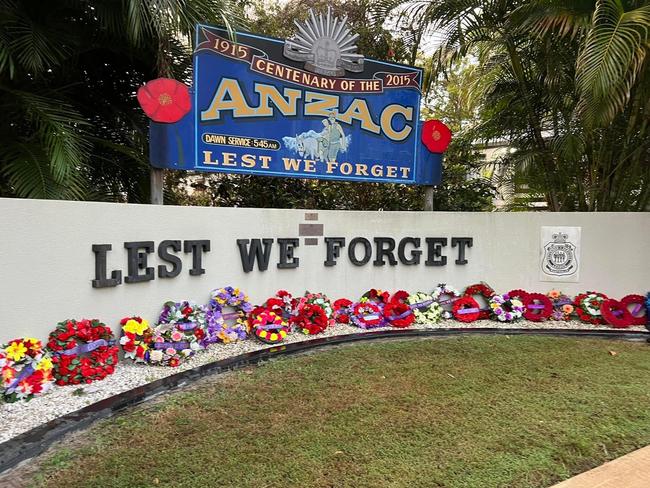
x=35, y=441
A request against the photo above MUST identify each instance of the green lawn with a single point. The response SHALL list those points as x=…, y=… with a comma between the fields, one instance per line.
x=468, y=412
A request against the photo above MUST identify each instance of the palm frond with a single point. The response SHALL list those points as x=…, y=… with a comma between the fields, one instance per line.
x=612, y=56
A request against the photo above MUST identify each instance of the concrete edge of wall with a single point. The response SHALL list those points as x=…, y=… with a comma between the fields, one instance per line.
x=37, y=440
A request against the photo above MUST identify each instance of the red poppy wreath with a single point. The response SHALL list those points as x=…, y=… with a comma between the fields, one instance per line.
x=616, y=314
x=636, y=306
x=466, y=309
x=538, y=307
x=398, y=314
x=483, y=290
x=84, y=351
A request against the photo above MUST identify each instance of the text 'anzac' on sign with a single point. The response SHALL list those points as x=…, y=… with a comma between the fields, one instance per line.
x=308, y=107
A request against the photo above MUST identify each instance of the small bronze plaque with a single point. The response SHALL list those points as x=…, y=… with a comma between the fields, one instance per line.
x=310, y=229
x=311, y=216
x=311, y=241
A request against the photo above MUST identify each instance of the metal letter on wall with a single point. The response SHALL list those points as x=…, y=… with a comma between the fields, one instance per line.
x=560, y=254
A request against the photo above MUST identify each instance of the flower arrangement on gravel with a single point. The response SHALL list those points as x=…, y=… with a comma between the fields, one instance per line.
x=181, y=331
x=445, y=295
x=505, y=308
x=425, y=309
x=397, y=312
x=587, y=307
x=483, y=290
x=374, y=295
x=26, y=369
x=342, y=310
x=518, y=293
x=284, y=301
x=269, y=327
x=616, y=314
x=367, y=315
x=562, y=305
x=83, y=351
x=637, y=308
x=466, y=309
x=136, y=339
x=310, y=318
x=537, y=307
x=647, y=311
x=226, y=315
x=319, y=299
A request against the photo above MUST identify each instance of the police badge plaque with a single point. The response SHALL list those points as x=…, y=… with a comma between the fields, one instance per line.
x=560, y=254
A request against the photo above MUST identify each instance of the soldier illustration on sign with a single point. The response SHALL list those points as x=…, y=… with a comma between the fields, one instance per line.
x=332, y=139
x=559, y=256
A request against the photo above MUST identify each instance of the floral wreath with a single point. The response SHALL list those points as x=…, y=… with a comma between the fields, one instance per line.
x=616, y=314
x=537, y=307
x=647, y=310
x=587, y=307
x=397, y=312
x=466, y=309
x=284, y=301
x=639, y=311
x=136, y=339
x=26, y=369
x=270, y=327
x=226, y=315
x=445, y=296
x=342, y=310
x=84, y=351
x=377, y=296
x=367, y=315
x=505, y=308
x=562, y=305
x=319, y=299
x=484, y=290
x=425, y=309
x=179, y=334
x=311, y=319
x=518, y=294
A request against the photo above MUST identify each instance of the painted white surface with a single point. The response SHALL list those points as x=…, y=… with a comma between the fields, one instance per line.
x=46, y=261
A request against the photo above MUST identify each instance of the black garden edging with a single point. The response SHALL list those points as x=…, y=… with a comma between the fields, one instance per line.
x=35, y=441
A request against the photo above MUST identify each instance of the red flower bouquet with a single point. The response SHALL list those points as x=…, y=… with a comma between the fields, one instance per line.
x=311, y=319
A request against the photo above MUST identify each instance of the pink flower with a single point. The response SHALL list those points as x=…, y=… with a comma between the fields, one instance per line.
x=176, y=336
x=170, y=351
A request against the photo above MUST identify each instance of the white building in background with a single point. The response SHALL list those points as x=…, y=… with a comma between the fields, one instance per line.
x=506, y=196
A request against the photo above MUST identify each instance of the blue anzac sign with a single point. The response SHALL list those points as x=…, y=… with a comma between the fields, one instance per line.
x=307, y=107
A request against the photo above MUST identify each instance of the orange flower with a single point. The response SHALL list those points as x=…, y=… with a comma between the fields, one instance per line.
x=567, y=309
x=554, y=294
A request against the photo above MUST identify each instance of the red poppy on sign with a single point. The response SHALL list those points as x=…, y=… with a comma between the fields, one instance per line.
x=436, y=136
x=164, y=100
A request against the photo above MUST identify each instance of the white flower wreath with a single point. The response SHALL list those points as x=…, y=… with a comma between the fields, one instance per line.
x=445, y=295
x=425, y=309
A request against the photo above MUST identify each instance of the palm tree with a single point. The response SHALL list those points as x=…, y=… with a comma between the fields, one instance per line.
x=70, y=126
x=566, y=82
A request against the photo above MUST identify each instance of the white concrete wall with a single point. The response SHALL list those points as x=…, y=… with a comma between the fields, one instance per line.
x=46, y=261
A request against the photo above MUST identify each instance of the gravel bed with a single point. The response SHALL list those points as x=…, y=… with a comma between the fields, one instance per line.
x=22, y=416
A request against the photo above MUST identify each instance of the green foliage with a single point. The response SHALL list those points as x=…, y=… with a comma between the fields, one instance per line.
x=566, y=84
x=71, y=127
